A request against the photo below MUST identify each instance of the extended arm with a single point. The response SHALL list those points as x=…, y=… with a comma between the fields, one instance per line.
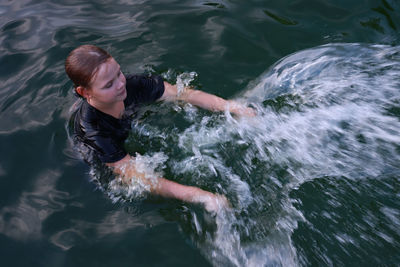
x=206, y=100
x=126, y=169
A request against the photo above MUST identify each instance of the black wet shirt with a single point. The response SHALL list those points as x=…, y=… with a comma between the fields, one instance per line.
x=103, y=136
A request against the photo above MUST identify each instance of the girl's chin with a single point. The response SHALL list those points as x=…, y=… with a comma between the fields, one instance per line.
x=122, y=95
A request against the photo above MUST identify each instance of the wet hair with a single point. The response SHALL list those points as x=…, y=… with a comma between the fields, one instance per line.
x=83, y=63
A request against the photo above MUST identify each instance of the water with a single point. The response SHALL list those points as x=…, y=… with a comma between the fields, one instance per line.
x=313, y=179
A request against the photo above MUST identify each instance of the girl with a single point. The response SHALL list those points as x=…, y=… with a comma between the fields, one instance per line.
x=102, y=121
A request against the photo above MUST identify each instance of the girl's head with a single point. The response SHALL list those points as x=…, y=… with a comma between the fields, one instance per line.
x=96, y=75
x=83, y=63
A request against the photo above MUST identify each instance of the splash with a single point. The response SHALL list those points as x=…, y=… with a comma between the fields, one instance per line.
x=183, y=80
x=330, y=111
x=136, y=189
x=336, y=102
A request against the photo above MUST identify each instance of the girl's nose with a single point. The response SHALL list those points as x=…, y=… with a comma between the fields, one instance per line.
x=121, y=83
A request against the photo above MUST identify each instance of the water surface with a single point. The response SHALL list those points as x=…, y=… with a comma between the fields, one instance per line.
x=313, y=179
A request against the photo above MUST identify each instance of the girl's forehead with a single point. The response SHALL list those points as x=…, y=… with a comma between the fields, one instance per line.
x=107, y=69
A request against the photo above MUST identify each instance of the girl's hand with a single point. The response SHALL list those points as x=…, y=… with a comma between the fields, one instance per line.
x=216, y=203
x=241, y=109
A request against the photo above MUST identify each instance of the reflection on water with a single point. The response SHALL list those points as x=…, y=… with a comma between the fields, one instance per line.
x=23, y=220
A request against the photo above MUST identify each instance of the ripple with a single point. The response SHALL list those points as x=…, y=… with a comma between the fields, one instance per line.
x=280, y=19
x=23, y=220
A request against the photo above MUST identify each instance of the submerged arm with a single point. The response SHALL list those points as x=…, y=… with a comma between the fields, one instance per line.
x=126, y=169
x=206, y=100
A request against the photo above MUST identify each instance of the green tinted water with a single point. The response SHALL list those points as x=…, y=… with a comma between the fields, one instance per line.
x=314, y=179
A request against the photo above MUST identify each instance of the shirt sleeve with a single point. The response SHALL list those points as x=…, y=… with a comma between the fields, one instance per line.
x=107, y=149
x=142, y=88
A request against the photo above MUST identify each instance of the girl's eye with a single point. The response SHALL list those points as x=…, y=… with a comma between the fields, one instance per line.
x=109, y=85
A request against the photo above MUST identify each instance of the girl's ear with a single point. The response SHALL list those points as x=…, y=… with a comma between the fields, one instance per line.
x=82, y=91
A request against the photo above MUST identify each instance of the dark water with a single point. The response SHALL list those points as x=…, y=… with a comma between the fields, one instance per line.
x=314, y=179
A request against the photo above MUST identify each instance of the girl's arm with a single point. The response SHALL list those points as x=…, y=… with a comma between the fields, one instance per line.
x=206, y=100
x=126, y=169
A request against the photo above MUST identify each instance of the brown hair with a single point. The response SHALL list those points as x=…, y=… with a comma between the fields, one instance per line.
x=83, y=63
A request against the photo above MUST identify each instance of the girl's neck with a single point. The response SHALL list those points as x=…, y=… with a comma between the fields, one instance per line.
x=116, y=110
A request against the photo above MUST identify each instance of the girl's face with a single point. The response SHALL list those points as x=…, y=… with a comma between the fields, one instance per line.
x=107, y=86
